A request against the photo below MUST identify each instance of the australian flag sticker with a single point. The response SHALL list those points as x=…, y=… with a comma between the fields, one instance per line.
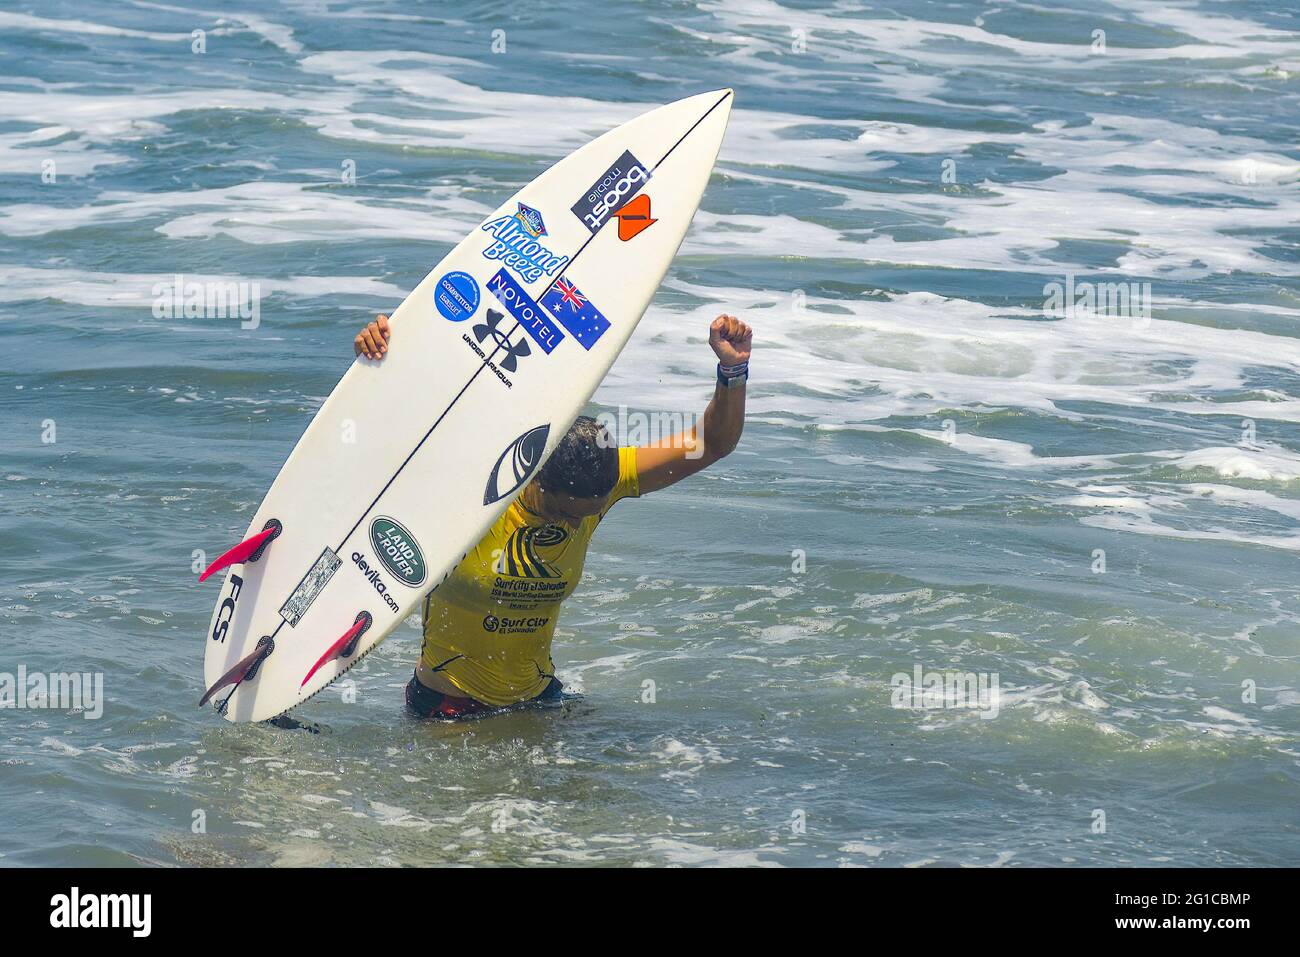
x=575, y=312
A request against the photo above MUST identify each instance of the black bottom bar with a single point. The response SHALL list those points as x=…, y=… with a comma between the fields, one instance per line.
x=334, y=908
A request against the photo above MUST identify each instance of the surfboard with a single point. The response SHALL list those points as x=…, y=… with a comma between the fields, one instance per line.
x=411, y=458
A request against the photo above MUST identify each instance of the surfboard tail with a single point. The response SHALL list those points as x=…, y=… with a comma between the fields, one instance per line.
x=244, y=669
x=344, y=647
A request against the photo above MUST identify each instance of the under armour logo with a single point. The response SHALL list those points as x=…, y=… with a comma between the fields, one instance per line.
x=514, y=352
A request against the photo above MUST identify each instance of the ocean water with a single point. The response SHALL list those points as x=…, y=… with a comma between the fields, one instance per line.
x=1095, y=506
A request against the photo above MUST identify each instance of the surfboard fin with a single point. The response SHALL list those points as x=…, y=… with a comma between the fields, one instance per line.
x=344, y=647
x=245, y=668
x=249, y=550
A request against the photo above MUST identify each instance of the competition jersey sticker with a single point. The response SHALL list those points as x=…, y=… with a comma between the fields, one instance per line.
x=456, y=296
x=528, y=313
x=575, y=312
x=615, y=187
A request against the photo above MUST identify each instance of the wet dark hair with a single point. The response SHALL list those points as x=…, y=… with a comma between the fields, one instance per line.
x=584, y=464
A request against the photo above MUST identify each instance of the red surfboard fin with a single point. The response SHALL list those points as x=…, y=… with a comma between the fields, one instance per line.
x=249, y=550
x=345, y=646
x=245, y=668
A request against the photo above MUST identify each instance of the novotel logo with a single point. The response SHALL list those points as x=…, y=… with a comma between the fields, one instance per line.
x=535, y=321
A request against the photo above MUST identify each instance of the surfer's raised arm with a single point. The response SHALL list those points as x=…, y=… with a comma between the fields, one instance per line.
x=372, y=341
x=662, y=463
x=670, y=460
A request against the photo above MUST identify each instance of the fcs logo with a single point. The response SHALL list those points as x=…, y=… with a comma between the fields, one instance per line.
x=514, y=352
x=516, y=464
x=226, y=610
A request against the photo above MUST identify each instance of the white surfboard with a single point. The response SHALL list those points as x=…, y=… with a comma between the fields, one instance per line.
x=413, y=457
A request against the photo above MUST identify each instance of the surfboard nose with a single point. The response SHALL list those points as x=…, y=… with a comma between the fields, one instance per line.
x=718, y=102
x=710, y=102
x=725, y=98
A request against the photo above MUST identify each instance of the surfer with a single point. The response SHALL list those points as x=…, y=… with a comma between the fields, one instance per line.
x=488, y=628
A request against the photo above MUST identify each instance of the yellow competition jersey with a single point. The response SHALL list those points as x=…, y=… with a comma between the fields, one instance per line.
x=488, y=627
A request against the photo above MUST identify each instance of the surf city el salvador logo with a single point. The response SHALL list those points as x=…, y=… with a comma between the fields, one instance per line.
x=505, y=625
x=515, y=243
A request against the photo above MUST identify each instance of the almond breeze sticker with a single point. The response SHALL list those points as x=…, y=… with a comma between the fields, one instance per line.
x=456, y=296
x=527, y=313
x=615, y=187
x=515, y=244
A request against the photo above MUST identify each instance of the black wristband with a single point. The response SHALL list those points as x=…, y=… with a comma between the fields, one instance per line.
x=727, y=375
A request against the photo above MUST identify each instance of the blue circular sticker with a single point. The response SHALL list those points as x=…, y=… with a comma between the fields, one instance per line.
x=456, y=296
